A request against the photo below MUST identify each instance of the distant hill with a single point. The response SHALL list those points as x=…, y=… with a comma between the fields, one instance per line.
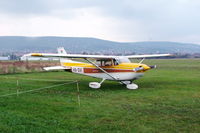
x=78, y=45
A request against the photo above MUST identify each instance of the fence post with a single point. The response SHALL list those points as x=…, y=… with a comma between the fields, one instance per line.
x=78, y=94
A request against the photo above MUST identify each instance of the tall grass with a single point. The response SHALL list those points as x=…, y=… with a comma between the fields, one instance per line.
x=11, y=67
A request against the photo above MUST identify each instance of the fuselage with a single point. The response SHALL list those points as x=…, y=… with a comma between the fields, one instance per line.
x=120, y=71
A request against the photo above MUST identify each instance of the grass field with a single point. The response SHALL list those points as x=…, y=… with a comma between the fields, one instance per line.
x=168, y=100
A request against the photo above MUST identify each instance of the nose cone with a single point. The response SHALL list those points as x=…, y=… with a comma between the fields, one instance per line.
x=146, y=67
x=142, y=67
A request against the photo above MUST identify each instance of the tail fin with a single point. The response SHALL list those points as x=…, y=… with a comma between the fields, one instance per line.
x=61, y=50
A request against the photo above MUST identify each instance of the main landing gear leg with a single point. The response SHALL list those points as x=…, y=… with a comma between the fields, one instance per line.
x=96, y=85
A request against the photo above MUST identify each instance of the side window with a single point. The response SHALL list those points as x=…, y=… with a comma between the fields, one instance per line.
x=108, y=63
x=98, y=62
x=104, y=62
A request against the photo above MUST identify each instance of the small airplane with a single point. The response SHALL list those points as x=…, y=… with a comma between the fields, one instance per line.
x=116, y=68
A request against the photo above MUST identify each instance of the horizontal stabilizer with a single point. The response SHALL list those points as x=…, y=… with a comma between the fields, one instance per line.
x=56, y=68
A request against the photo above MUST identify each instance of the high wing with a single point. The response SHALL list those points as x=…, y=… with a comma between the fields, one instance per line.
x=93, y=56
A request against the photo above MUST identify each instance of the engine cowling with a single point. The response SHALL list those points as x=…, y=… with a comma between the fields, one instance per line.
x=137, y=69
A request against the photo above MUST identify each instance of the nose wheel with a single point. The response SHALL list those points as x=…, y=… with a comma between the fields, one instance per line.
x=130, y=85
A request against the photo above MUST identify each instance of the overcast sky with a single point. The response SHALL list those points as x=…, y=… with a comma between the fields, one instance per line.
x=116, y=20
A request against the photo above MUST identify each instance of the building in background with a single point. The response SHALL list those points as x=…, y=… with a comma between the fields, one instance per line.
x=4, y=58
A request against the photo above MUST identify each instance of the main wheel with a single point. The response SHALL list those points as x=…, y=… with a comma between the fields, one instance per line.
x=132, y=86
x=94, y=85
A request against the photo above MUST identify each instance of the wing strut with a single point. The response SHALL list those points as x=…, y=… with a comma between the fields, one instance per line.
x=141, y=60
x=100, y=69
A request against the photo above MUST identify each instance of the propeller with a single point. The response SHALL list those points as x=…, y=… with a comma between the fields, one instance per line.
x=152, y=67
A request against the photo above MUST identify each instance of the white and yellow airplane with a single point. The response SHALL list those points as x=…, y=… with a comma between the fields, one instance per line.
x=117, y=68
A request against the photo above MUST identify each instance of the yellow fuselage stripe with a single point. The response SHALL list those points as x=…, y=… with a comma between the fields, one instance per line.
x=120, y=66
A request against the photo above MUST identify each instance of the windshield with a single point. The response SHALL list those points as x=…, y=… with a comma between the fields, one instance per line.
x=123, y=60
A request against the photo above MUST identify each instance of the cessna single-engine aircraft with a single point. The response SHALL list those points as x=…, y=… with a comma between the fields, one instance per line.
x=117, y=68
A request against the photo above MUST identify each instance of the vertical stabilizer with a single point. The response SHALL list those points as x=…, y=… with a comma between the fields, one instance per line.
x=61, y=50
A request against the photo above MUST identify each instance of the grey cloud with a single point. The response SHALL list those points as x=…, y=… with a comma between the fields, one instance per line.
x=19, y=7
x=160, y=18
x=137, y=9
